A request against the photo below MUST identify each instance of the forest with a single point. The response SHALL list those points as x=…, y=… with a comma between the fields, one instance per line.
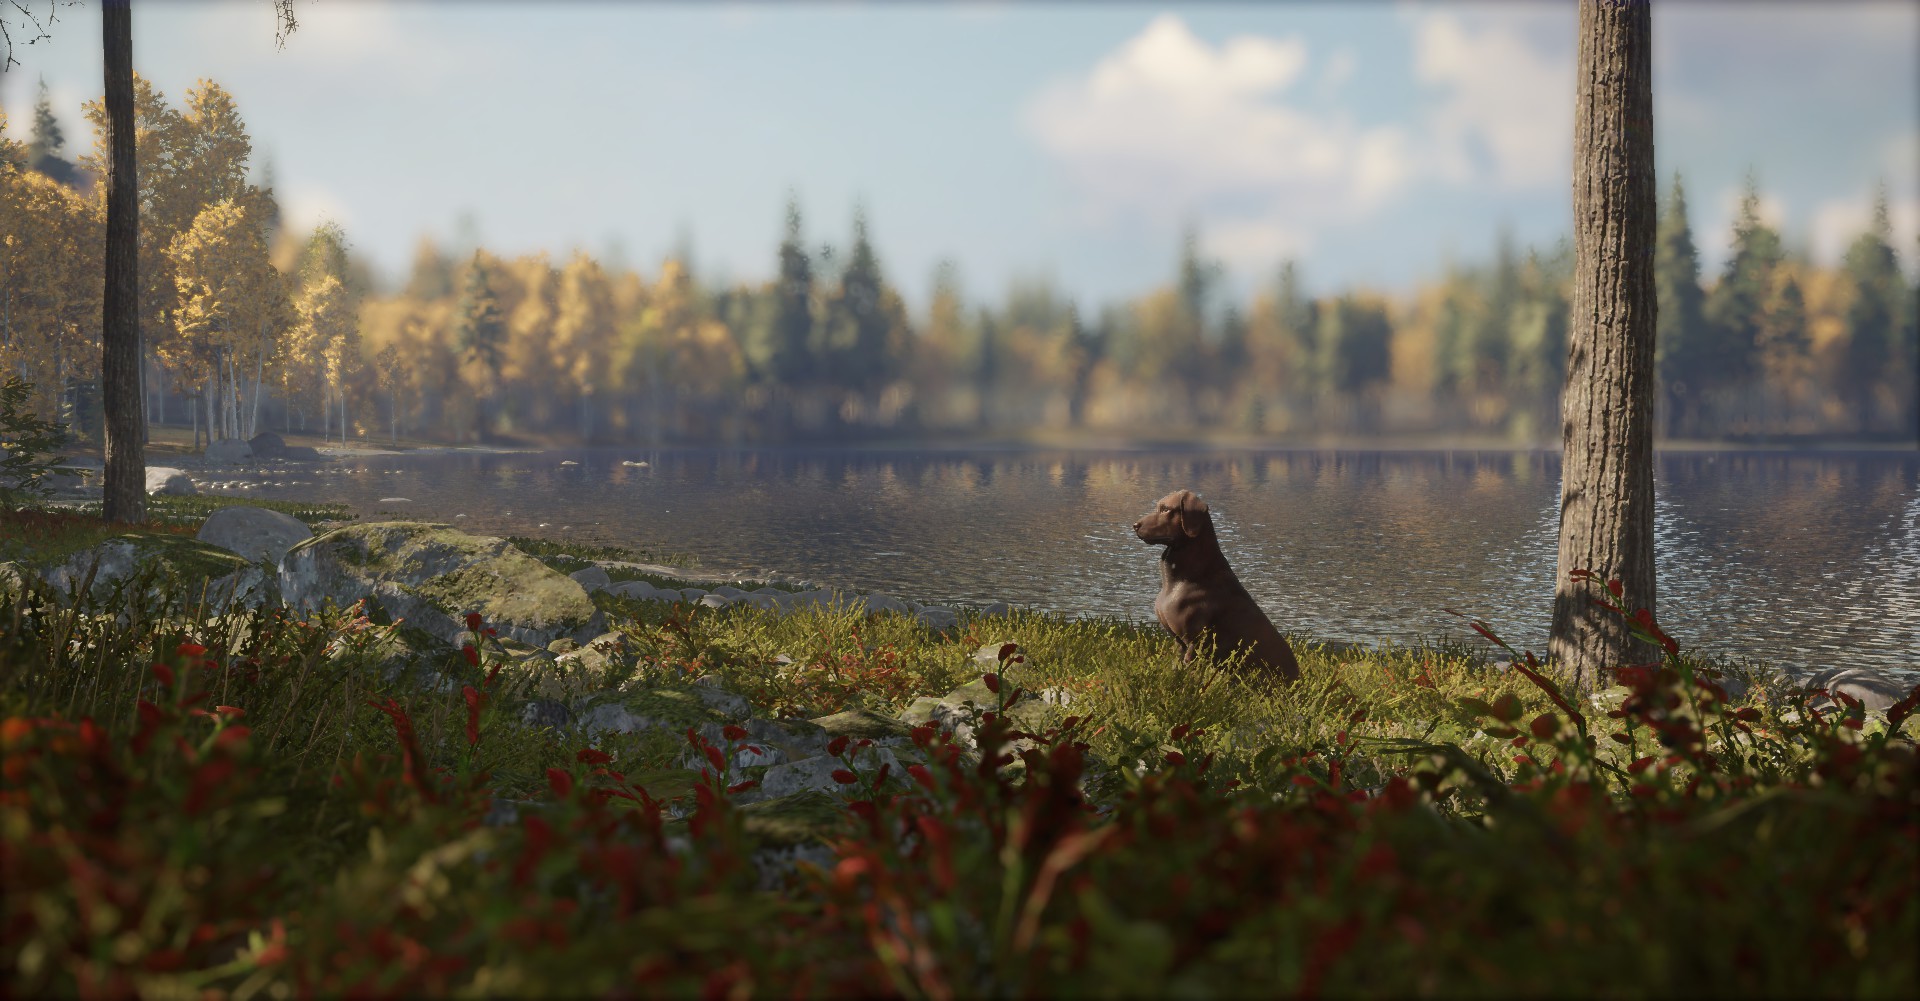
x=248, y=326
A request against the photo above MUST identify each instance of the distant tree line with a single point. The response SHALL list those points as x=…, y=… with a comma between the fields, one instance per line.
x=247, y=327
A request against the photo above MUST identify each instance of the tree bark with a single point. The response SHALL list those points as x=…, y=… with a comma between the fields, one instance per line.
x=125, y=492
x=1606, y=485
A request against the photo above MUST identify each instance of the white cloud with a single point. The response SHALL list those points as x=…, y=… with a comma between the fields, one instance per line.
x=1506, y=109
x=1837, y=222
x=1339, y=70
x=305, y=206
x=1168, y=127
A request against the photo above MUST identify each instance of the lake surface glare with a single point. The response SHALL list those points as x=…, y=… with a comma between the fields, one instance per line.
x=1803, y=560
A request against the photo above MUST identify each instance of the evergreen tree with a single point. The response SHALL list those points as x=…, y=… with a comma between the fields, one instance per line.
x=479, y=336
x=1682, y=341
x=1736, y=308
x=859, y=359
x=1874, y=321
x=778, y=350
x=1294, y=313
x=46, y=144
x=432, y=276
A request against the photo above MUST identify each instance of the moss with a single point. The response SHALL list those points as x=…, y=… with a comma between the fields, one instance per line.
x=678, y=705
x=864, y=723
x=803, y=818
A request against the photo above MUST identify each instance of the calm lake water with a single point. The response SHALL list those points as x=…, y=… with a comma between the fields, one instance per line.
x=1798, y=559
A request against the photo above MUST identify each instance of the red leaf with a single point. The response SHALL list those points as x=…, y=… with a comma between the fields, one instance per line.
x=921, y=775
x=732, y=732
x=1752, y=715
x=1616, y=588
x=1640, y=765
x=593, y=757
x=1507, y=707
x=473, y=714
x=1620, y=738
x=714, y=756
x=844, y=777
x=474, y=621
x=992, y=681
x=1176, y=759
x=561, y=782
x=472, y=655
x=164, y=673
x=1180, y=732
x=1545, y=726
x=189, y=650
x=743, y=786
x=1007, y=649
x=837, y=745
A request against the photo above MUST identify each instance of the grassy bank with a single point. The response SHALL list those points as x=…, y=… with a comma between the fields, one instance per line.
x=243, y=805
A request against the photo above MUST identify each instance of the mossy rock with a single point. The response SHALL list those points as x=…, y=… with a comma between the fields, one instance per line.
x=192, y=569
x=432, y=575
x=804, y=818
x=678, y=706
x=866, y=724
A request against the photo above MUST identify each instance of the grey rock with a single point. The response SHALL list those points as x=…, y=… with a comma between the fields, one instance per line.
x=727, y=591
x=225, y=577
x=254, y=533
x=1875, y=691
x=267, y=445
x=881, y=602
x=715, y=601
x=301, y=453
x=692, y=593
x=717, y=698
x=937, y=618
x=616, y=718
x=167, y=480
x=227, y=452
x=546, y=714
x=815, y=774
x=592, y=578
x=997, y=608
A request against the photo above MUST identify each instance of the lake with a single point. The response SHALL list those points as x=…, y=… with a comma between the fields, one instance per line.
x=1799, y=559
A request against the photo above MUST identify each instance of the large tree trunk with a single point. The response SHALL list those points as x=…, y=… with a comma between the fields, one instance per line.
x=1606, y=485
x=125, y=496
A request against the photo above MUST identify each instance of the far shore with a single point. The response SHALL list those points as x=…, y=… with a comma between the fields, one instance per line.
x=172, y=444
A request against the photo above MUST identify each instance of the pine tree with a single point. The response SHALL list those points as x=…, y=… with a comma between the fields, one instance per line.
x=479, y=337
x=1874, y=321
x=1736, y=308
x=1682, y=340
x=46, y=144
x=782, y=349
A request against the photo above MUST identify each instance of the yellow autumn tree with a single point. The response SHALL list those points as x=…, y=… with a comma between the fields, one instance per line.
x=230, y=303
x=50, y=246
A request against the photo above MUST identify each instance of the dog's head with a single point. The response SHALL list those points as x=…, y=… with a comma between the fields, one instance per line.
x=1179, y=516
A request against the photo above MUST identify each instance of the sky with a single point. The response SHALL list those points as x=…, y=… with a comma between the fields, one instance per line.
x=1373, y=143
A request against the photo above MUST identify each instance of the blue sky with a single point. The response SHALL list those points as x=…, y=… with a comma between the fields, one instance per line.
x=1372, y=142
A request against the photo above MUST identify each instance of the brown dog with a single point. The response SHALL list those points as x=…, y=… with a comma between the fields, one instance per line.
x=1199, y=593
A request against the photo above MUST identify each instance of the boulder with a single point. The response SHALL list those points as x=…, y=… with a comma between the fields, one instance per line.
x=267, y=445
x=227, y=451
x=592, y=578
x=224, y=577
x=710, y=691
x=937, y=618
x=1874, y=690
x=881, y=602
x=301, y=453
x=167, y=480
x=997, y=608
x=433, y=575
x=254, y=533
x=815, y=774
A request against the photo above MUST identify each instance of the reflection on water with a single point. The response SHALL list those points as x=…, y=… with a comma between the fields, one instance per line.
x=1797, y=559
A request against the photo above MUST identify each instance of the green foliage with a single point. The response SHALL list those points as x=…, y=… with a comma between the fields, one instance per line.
x=27, y=444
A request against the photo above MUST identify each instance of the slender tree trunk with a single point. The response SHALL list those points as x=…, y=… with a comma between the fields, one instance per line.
x=253, y=419
x=1606, y=487
x=125, y=494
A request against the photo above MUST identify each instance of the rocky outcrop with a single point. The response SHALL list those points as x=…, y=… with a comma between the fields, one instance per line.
x=433, y=575
x=254, y=533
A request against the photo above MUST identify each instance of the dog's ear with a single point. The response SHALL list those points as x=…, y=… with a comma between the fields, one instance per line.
x=1193, y=513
